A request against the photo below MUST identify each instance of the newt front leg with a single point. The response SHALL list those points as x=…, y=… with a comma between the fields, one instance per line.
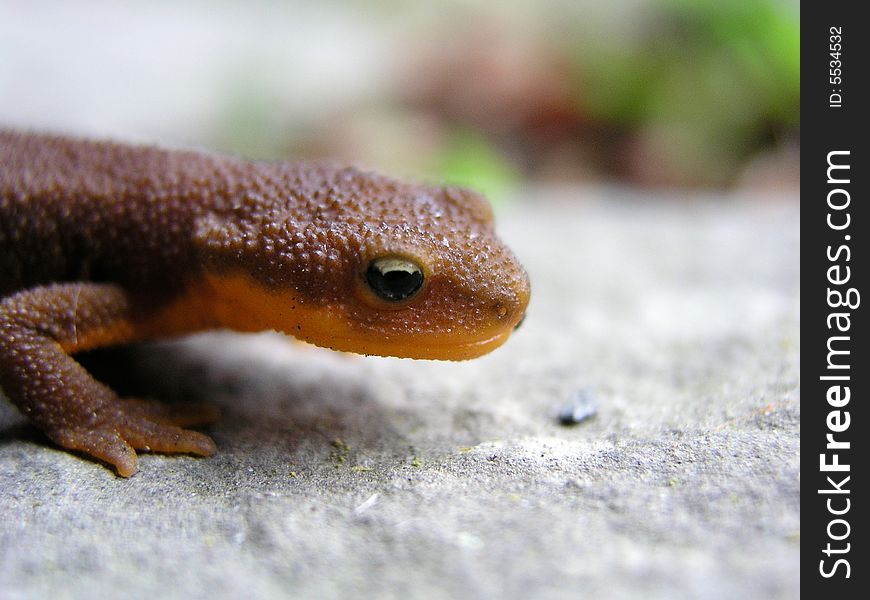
x=39, y=329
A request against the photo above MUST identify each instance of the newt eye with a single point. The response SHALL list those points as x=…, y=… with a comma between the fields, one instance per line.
x=393, y=278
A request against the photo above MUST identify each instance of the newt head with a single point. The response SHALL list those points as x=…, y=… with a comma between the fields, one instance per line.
x=361, y=263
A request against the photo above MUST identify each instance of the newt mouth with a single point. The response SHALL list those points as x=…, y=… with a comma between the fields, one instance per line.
x=430, y=347
x=442, y=348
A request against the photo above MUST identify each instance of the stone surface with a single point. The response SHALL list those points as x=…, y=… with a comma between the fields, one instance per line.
x=342, y=476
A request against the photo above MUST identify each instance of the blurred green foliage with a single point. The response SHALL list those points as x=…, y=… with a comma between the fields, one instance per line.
x=469, y=159
x=677, y=92
x=709, y=82
x=483, y=93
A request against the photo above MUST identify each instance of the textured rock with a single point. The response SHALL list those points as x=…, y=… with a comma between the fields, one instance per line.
x=379, y=478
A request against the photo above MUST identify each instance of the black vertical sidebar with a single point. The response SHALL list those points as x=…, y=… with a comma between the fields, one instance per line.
x=834, y=263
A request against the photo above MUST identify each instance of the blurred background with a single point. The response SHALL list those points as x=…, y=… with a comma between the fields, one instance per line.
x=653, y=93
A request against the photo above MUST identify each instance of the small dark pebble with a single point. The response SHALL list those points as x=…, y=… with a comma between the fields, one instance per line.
x=579, y=407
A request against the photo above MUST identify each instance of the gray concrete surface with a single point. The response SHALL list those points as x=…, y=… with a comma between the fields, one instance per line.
x=455, y=480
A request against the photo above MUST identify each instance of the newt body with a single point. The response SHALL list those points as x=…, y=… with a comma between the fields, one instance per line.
x=104, y=243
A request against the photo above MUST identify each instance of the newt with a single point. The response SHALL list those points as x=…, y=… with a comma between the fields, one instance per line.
x=104, y=243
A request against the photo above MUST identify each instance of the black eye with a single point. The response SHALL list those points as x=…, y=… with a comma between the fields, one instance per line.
x=393, y=278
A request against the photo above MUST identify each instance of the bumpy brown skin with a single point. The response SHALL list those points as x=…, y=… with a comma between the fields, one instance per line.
x=105, y=243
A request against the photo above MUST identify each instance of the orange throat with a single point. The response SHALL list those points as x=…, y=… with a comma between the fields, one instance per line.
x=239, y=302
